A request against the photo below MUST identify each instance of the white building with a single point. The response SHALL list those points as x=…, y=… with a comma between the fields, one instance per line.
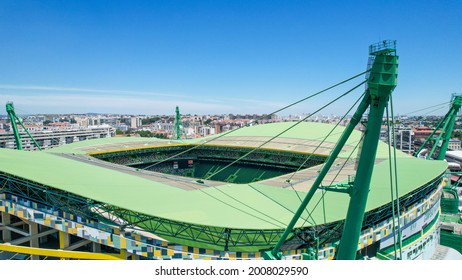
x=135, y=122
x=53, y=138
x=454, y=144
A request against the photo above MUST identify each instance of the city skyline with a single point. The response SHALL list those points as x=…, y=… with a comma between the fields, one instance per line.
x=219, y=57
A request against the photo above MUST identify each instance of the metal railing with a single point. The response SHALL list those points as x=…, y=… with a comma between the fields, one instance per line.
x=383, y=47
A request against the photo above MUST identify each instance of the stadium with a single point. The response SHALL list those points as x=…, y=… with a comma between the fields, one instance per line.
x=225, y=197
x=289, y=190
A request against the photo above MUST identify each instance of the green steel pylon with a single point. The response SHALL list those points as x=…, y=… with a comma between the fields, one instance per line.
x=446, y=125
x=13, y=118
x=12, y=115
x=381, y=82
x=177, y=125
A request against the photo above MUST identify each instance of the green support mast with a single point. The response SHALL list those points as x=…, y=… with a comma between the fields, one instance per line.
x=12, y=116
x=17, y=137
x=446, y=125
x=177, y=125
x=381, y=82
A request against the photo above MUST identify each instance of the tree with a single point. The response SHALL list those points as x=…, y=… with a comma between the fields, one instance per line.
x=456, y=134
x=149, y=120
x=144, y=133
x=160, y=135
x=119, y=132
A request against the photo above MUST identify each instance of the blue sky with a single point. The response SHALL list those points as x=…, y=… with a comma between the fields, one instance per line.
x=145, y=57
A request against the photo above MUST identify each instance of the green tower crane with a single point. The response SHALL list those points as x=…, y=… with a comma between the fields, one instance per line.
x=13, y=118
x=446, y=125
x=381, y=82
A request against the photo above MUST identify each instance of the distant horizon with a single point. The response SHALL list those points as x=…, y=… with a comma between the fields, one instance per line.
x=219, y=114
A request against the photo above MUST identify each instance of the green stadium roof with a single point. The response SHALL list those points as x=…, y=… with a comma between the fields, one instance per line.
x=226, y=205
